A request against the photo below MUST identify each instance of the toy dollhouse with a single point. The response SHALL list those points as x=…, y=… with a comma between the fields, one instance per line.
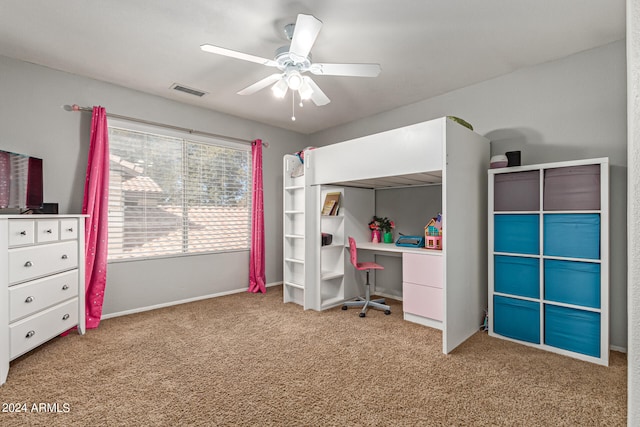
x=433, y=233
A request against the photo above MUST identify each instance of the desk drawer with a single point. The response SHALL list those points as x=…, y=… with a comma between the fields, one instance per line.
x=47, y=230
x=31, y=297
x=68, y=229
x=422, y=269
x=425, y=301
x=37, y=261
x=33, y=331
x=22, y=232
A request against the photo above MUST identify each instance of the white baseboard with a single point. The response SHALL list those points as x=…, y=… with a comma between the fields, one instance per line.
x=616, y=348
x=184, y=301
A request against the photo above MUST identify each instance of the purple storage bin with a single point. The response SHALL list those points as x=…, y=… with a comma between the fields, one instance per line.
x=516, y=191
x=572, y=188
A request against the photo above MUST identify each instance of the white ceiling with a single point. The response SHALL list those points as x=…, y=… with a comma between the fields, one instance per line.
x=425, y=47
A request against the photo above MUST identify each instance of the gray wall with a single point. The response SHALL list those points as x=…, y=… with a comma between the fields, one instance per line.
x=32, y=121
x=633, y=114
x=567, y=109
x=571, y=108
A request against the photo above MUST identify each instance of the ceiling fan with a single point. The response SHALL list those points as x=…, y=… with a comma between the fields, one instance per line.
x=294, y=61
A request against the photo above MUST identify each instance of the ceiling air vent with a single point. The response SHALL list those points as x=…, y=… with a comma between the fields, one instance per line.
x=188, y=90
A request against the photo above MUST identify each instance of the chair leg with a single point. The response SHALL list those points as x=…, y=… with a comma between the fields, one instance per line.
x=367, y=302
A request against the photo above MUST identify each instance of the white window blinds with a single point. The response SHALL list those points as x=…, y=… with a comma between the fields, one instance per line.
x=172, y=196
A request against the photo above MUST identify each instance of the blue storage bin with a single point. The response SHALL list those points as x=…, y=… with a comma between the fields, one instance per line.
x=573, y=330
x=572, y=282
x=517, y=319
x=517, y=276
x=517, y=233
x=572, y=235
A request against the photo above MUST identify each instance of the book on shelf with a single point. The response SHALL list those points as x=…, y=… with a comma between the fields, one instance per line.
x=331, y=204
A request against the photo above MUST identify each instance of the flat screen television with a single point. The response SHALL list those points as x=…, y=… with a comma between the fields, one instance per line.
x=21, y=182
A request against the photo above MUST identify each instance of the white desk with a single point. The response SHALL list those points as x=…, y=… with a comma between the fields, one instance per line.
x=391, y=247
x=422, y=281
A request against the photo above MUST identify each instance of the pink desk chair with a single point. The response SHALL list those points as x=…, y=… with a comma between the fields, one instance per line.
x=365, y=302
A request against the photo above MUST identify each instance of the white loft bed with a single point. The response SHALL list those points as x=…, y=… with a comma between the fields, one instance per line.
x=436, y=151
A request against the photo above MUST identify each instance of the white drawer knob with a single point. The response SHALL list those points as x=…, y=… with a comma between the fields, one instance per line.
x=30, y=334
x=28, y=264
x=65, y=317
x=28, y=300
x=64, y=257
x=65, y=287
x=23, y=233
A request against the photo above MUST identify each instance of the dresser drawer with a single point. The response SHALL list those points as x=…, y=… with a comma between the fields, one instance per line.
x=47, y=230
x=68, y=229
x=22, y=232
x=37, y=261
x=425, y=301
x=422, y=269
x=28, y=298
x=28, y=333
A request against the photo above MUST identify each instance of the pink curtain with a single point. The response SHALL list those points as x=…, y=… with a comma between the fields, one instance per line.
x=257, y=279
x=95, y=204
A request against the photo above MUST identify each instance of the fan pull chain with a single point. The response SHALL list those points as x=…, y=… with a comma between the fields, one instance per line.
x=293, y=106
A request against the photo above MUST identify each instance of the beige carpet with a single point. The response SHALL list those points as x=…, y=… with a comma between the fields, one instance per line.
x=251, y=360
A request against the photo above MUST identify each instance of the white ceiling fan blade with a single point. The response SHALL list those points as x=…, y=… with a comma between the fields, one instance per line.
x=237, y=55
x=318, y=97
x=304, y=35
x=349, y=70
x=260, y=84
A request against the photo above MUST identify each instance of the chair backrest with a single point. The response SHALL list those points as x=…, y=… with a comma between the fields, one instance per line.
x=353, y=251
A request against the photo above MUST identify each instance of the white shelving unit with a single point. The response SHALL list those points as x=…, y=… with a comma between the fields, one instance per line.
x=548, y=256
x=294, y=232
x=332, y=256
x=326, y=284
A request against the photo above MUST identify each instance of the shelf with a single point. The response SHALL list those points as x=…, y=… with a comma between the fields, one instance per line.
x=595, y=261
x=296, y=261
x=294, y=187
x=294, y=236
x=517, y=254
x=331, y=302
x=293, y=212
x=546, y=212
x=328, y=275
x=517, y=212
x=332, y=246
x=574, y=306
x=294, y=285
x=520, y=297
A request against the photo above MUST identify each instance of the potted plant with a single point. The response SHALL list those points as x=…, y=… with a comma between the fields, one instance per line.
x=382, y=225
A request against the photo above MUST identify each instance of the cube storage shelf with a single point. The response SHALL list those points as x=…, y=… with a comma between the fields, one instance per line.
x=549, y=257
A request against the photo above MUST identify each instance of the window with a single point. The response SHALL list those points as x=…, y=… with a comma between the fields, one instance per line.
x=172, y=196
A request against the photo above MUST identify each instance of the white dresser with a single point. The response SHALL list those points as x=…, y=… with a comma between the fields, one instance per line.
x=41, y=281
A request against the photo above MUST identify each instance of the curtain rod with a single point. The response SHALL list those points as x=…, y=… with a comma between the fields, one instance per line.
x=76, y=107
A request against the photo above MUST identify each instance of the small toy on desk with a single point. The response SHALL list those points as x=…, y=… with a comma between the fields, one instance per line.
x=433, y=233
x=410, y=241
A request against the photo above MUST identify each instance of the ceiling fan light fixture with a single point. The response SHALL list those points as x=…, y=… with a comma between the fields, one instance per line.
x=294, y=80
x=280, y=88
x=305, y=90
